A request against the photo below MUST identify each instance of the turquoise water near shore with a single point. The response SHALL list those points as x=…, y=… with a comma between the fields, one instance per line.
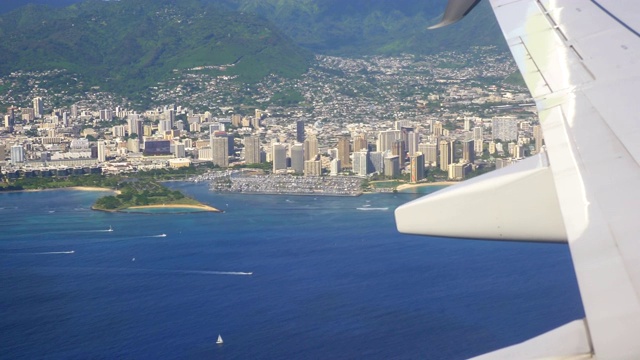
x=278, y=277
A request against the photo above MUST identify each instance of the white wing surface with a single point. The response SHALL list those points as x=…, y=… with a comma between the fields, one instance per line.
x=580, y=60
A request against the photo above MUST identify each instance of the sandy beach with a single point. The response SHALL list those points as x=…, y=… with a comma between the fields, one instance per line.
x=90, y=188
x=177, y=206
x=413, y=186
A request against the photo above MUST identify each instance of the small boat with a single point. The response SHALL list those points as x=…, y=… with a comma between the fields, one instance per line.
x=219, y=341
x=162, y=235
x=110, y=229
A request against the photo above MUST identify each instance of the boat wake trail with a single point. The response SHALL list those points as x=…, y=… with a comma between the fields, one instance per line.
x=43, y=253
x=55, y=252
x=152, y=271
x=199, y=272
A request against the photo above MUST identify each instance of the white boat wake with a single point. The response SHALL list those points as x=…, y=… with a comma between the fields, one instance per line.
x=154, y=271
x=55, y=252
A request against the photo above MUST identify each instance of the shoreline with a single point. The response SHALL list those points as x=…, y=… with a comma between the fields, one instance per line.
x=413, y=186
x=89, y=188
x=202, y=207
x=76, y=188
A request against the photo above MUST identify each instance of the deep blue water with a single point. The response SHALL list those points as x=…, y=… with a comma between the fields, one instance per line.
x=329, y=282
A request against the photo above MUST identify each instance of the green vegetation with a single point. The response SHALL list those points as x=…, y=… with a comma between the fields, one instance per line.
x=365, y=27
x=38, y=183
x=141, y=193
x=515, y=79
x=137, y=189
x=127, y=46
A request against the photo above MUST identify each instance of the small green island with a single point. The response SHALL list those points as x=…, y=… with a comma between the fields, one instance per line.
x=148, y=194
x=133, y=192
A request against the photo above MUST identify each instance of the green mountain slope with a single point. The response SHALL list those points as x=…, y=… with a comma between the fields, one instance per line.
x=358, y=27
x=125, y=46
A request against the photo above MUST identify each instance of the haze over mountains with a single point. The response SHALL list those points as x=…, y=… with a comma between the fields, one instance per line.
x=125, y=45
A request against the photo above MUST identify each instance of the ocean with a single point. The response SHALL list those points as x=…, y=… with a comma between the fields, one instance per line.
x=278, y=277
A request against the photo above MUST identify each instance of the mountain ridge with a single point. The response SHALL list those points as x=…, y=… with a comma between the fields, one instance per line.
x=128, y=45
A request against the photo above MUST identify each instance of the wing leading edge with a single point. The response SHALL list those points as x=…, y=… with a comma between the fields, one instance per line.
x=579, y=59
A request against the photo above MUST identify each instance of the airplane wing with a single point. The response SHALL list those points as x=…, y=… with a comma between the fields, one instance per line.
x=580, y=60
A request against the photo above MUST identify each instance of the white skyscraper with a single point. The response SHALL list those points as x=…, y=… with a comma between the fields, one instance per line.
x=386, y=139
x=279, y=157
x=17, y=154
x=335, y=167
x=478, y=139
x=297, y=158
x=430, y=152
x=220, y=150
x=310, y=147
x=361, y=162
x=413, y=139
x=179, y=150
x=38, y=107
x=102, y=151
x=252, y=150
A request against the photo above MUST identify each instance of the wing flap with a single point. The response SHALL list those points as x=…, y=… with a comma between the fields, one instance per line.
x=590, y=128
x=570, y=341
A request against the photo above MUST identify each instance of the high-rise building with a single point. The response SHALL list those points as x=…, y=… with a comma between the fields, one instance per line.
x=445, y=155
x=537, y=135
x=17, y=154
x=255, y=121
x=135, y=125
x=398, y=149
x=300, y=131
x=459, y=171
x=297, y=158
x=430, y=153
x=231, y=143
x=133, y=145
x=313, y=168
x=399, y=124
x=310, y=148
x=417, y=167
x=3, y=152
x=170, y=115
x=404, y=136
x=74, y=111
x=504, y=128
x=360, y=142
x=335, y=167
x=377, y=162
x=386, y=139
x=468, y=153
x=106, y=115
x=413, y=139
x=164, y=126
x=437, y=129
x=38, y=107
x=179, y=150
x=118, y=131
x=220, y=150
x=392, y=166
x=205, y=153
x=236, y=120
x=102, y=151
x=252, y=150
x=344, y=150
x=478, y=139
x=361, y=162
x=279, y=157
